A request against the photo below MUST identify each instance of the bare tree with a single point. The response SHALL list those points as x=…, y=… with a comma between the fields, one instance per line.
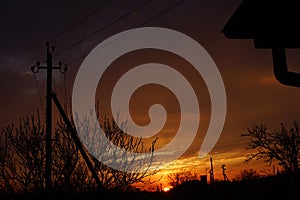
x=6, y=180
x=282, y=146
x=22, y=159
x=110, y=177
x=248, y=175
x=176, y=179
x=69, y=172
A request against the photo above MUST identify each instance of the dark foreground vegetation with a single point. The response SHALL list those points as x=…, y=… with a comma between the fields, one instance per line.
x=23, y=166
x=261, y=188
x=280, y=186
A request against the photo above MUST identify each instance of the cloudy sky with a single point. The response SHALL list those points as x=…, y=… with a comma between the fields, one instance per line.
x=75, y=28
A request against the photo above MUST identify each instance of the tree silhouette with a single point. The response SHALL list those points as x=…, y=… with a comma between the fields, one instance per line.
x=69, y=170
x=282, y=145
x=22, y=160
x=248, y=175
x=176, y=179
x=112, y=178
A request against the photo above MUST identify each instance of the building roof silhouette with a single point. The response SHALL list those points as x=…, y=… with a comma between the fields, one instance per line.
x=270, y=23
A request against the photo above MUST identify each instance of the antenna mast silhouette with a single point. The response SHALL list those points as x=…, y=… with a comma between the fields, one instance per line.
x=211, y=172
x=224, y=174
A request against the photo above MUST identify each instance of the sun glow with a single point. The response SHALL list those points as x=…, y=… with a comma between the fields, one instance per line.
x=166, y=189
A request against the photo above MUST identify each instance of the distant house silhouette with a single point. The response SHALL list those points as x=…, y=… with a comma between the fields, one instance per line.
x=271, y=24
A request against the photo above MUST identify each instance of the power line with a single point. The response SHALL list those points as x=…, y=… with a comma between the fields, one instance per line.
x=65, y=88
x=54, y=85
x=104, y=27
x=81, y=20
x=109, y=24
x=232, y=143
x=77, y=59
x=163, y=12
x=39, y=93
x=146, y=22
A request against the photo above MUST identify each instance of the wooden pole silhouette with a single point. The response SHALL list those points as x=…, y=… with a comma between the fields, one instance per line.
x=51, y=95
x=48, y=183
x=49, y=68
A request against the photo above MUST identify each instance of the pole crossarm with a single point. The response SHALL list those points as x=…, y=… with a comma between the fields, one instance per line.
x=62, y=67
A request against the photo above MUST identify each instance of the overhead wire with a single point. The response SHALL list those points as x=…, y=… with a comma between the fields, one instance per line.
x=218, y=145
x=101, y=7
x=225, y=144
x=97, y=31
x=54, y=85
x=58, y=35
x=39, y=94
x=103, y=27
x=142, y=24
x=77, y=59
x=162, y=13
x=65, y=88
x=107, y=25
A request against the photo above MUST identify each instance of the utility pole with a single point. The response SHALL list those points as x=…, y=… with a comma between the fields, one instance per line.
x=49, y=68
x=211, y=172
x=51, y=95
x=48, y=179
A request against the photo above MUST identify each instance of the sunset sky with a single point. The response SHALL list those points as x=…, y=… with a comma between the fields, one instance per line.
x=253, y=94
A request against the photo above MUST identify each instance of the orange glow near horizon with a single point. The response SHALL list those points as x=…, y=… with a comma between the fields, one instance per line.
x=234, y=162
x=166, y=189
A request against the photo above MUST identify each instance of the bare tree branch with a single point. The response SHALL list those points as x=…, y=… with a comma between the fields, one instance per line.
x=277, y=145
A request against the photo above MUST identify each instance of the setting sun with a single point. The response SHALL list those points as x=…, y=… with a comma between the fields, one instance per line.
x=166, y=189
